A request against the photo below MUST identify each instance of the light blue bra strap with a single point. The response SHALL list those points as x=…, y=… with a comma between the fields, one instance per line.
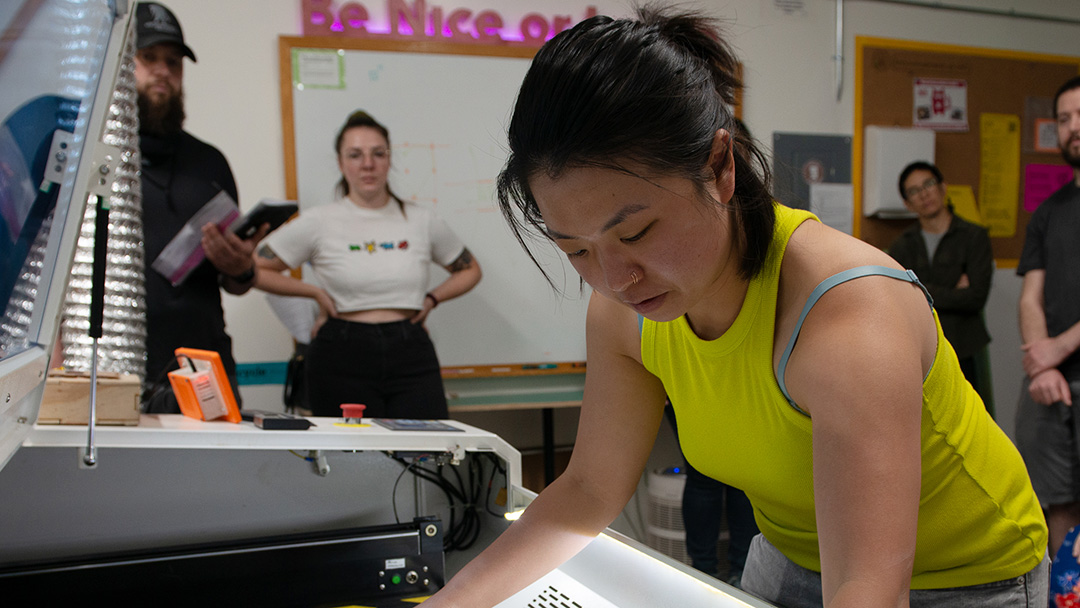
x=640, y=325
x=826, y=285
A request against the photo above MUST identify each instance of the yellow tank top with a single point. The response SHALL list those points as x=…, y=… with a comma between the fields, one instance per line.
x=979, y=519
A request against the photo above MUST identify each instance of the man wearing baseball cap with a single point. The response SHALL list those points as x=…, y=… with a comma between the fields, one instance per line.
x=180, y=173
x=156, y=24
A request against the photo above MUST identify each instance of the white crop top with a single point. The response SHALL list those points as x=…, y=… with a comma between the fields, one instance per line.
x=368, y=259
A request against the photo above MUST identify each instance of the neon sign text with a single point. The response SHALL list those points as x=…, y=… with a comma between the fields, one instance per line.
x=416, y=20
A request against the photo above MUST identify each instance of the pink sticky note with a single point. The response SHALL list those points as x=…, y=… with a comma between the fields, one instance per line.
x=1040, y=181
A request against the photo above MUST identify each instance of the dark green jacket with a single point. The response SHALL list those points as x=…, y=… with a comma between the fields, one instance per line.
x=965, y=248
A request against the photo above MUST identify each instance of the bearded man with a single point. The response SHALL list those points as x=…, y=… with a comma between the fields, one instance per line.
x=1047, y=426
x=180, y=174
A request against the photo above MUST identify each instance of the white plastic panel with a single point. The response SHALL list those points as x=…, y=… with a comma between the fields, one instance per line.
x=888, y=151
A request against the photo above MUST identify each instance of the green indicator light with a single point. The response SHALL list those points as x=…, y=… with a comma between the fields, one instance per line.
x=396, y=579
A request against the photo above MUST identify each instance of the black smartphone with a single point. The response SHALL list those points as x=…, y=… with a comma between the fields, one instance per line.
x=274, y=213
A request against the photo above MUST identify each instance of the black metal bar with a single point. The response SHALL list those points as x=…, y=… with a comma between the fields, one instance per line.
x=549, y=445
x=97, y=287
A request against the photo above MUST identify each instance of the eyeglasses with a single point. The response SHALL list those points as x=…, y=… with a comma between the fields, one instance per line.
x=914, y=191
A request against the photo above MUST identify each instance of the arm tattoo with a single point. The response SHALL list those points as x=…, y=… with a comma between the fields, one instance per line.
x=266, y=253
x=462, y=262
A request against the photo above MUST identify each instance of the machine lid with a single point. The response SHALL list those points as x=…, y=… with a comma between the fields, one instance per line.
x=57, y=74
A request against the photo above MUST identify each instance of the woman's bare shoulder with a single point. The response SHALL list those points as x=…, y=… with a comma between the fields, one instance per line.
x=865, y=305
x=816, y=252
x=614, y=327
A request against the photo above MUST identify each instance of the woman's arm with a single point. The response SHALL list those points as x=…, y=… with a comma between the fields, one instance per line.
x=464, y=275
x=270, y=277
x=858, y=370
x=620, y=415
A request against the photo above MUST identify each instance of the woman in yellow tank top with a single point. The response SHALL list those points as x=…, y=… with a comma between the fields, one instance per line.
x=876, y=475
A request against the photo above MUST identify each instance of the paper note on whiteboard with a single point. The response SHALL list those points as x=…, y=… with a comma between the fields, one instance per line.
x=833, y=204
x=319, y=68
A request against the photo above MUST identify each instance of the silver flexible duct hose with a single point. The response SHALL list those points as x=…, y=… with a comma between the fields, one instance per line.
x=122, y=347
x=15, y=324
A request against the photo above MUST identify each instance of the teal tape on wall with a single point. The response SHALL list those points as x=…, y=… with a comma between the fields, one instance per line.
x=266, y=372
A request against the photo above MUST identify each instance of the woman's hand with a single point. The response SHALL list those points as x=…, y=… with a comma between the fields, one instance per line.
x=326, y=310
x=429, y=305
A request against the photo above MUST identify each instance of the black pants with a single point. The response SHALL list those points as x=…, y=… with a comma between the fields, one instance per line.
x=389, y=367
x=970, y=368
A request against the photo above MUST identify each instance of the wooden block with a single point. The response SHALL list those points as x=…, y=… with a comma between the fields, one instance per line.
x=67, y=399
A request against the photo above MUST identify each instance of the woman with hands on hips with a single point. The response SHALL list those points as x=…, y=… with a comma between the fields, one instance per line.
x=806, y=367
x=371, y=253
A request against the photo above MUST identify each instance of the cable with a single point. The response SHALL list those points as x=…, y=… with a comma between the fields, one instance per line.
x=393, y=493
x=468, y=530
x=495, y=468
x=464, y=500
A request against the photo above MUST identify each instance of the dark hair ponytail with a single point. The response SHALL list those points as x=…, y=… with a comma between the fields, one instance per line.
x=361, y=118
x=650, y=92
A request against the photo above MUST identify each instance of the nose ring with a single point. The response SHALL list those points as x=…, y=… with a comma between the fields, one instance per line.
x=633, y=277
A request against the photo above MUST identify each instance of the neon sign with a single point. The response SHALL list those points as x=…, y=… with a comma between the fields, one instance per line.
x=416, y=20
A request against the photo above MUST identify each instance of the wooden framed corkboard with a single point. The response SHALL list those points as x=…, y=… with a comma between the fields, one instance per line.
x=998, y=81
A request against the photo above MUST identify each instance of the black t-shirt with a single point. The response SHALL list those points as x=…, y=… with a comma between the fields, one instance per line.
x=179, y=175
x=1053, y=244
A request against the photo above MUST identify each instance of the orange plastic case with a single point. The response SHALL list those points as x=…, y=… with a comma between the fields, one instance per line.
x=201, y=386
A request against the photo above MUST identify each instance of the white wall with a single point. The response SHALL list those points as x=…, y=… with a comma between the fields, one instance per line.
x=234, y=102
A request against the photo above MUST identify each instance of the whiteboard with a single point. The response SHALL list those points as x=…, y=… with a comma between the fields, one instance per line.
x=447, y=108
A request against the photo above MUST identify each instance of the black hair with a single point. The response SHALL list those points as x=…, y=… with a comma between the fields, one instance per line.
x=919, y=165
x=361, y=118
x=1070, y=84
x=647, y=92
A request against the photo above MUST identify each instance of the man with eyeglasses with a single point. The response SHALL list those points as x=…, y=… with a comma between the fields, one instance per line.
x=1047, y=428
x=953, y=258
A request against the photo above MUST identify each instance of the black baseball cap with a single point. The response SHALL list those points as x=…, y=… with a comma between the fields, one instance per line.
x=156, y=24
